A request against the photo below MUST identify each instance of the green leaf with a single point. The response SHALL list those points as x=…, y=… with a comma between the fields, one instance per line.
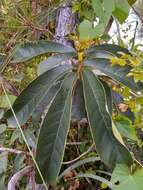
x=15, y=135
x=19, y=162
x=2, y=128
x=31, y=140
x=2, y=181
x=28, y=50
x=125, y=127
x=87, y=31
x=53, y=133
x=100, y=54
x=108, y=6
x=53, y=61
x=36, y=115
x=101, y=123
x=126, y=179
x=116, y=72
x=131, y=2
x=98, y=30
x=34, y=94
x=87, y=12
x=3, y=162
x=3, y=100
x=121, y=11
x=110, y=49
x=98, y=8
x=103, y=10
x=78, y=105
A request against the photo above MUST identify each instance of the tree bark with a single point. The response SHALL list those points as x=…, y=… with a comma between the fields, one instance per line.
x=66, y=23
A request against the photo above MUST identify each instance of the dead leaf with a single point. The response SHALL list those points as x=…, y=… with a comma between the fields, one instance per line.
x=123, y=107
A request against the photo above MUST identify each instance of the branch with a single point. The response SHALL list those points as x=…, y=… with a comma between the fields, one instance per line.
x=133, y=43
x=32, y=183
x=77, y=143
x=17, y=176
x=108, y=27
x=74, y=160
x=3, y=149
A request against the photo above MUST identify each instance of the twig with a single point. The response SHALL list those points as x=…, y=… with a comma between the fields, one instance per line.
x=133, y=43
x=119, y=33
x=3, y=149
x=108, y=27
x=138, y=162
x=74, y=160
x=77, y=143
x=32, y=183
x=17, y=176
x=30, y=24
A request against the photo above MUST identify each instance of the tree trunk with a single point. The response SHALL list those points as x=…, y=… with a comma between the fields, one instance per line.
x=66, y=23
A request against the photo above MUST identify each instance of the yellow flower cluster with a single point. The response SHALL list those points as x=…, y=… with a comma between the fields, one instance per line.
x=119, y=61
x=135, y=61
x=131, y=60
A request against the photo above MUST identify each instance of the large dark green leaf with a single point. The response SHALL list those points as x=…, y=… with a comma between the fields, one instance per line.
x=116, y=72
x=36, y=115
x=29, y=50
x=106, y=49
x=100, y=54
x=108, y=147
x=33, y=95
x=53, y=133
x=52, y=61
x=78, y=105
